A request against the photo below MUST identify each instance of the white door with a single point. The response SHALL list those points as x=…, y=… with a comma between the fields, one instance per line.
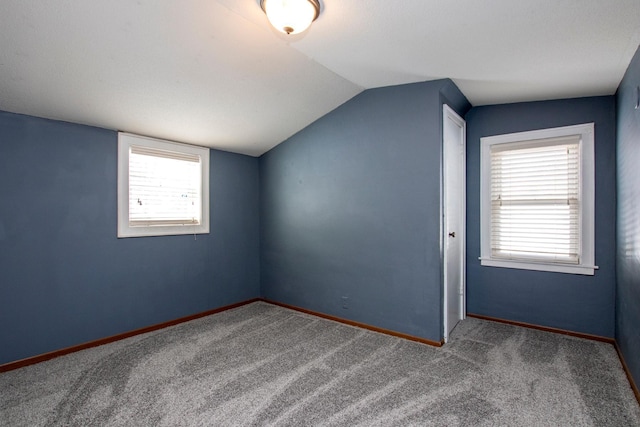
x=454, y=164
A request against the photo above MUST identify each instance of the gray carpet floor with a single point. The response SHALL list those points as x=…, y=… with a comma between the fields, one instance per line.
x=265, y=365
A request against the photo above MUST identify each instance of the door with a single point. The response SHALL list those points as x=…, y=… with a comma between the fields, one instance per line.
x=454, y=194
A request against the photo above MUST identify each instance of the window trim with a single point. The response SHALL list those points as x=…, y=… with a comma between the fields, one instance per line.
x=125, y=142
x=587, y=197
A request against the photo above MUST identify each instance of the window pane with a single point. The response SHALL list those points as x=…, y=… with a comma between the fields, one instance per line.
x=163, y=190
x=535, y=206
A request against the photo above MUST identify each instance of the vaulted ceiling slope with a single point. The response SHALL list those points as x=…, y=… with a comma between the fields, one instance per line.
x=214, y=73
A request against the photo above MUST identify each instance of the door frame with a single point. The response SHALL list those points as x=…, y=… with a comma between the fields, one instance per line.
x=449, y=114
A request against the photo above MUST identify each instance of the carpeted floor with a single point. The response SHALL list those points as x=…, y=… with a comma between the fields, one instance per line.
x=265, y=365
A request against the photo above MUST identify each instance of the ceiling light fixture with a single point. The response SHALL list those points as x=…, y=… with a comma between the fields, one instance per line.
x=291, y=16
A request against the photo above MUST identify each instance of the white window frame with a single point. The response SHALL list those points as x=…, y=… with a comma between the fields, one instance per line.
x=587, y=199
x=125, y=142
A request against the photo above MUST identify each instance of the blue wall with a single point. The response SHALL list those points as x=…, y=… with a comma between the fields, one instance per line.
x=577, y=303
x=628, y=253
x=351, y=208
x=66, y=279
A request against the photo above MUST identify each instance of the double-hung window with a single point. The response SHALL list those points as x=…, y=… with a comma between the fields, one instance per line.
x=537, y=200
x=163, y=187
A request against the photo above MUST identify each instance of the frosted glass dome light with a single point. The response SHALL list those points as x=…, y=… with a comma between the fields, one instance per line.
x=291, y=16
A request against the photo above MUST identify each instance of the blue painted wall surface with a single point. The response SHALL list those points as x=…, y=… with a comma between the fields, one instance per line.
x=628, y=245
x=577, y=303
x=66, y=279
x=350, y=208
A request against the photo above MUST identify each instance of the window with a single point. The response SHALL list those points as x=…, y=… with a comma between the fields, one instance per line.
x=163, y=187
x=537, y=200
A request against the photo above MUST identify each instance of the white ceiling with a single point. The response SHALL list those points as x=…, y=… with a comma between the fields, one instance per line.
x=214, y=73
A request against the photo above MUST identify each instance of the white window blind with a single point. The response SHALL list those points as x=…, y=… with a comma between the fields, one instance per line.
x=535, y=200
x=164, y=187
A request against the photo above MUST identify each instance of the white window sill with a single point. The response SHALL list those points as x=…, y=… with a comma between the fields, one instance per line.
x=588, y=270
